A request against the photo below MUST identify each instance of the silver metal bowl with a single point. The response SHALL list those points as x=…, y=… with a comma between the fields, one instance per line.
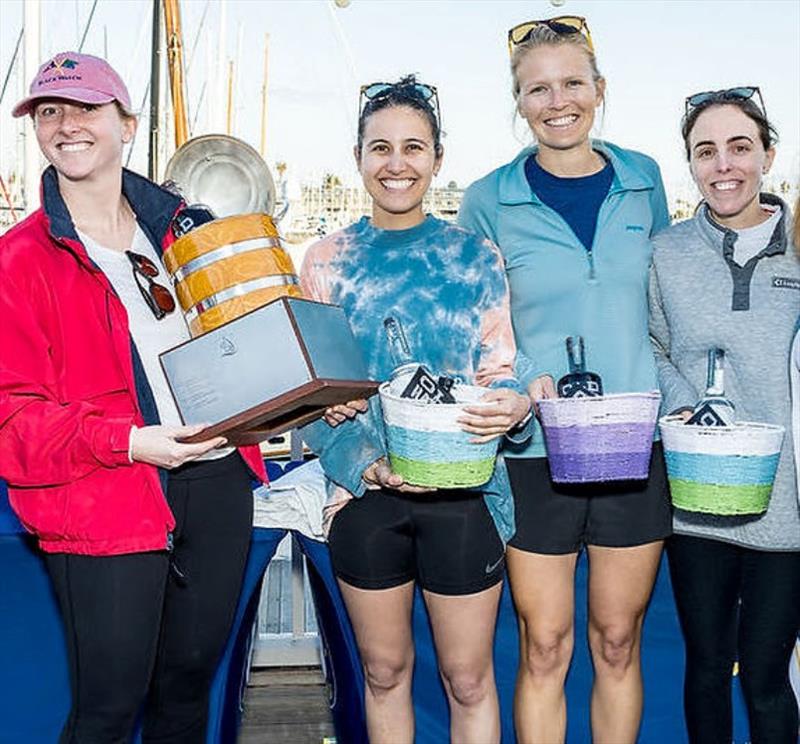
x=223, y=173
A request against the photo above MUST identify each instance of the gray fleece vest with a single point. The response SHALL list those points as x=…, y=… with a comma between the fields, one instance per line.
x=699, y=298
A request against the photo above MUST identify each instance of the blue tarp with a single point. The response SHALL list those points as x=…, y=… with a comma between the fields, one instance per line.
x=9, y=524
x=34, y=691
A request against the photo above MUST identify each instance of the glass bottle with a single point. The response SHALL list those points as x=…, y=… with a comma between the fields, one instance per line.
x=409, y=378
x=578, y=383
x=714, y=409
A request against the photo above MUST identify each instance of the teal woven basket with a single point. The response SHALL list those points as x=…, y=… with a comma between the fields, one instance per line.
x=723, y=470
x=426, y=445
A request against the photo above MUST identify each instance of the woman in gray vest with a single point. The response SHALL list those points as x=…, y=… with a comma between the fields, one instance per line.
x=729, y=278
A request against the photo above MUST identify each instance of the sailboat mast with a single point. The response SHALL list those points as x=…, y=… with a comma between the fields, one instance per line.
x=174, y=34
x=32, y=19
x=155, y=93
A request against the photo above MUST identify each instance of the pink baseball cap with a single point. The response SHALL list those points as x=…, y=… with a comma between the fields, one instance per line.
x=75, y=77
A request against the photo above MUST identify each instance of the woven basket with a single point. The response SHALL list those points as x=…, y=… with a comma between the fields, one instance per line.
x=607, y=438
x=724, y=470
x=427, y=446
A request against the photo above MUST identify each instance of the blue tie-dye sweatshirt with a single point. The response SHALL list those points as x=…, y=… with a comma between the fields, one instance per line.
x=448, y=288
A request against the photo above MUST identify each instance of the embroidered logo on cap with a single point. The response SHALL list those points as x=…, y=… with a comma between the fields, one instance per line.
x=67, y=63
x=59, y=68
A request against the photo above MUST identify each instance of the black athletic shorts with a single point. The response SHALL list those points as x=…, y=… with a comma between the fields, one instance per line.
x=557, y=518
x=445, y=541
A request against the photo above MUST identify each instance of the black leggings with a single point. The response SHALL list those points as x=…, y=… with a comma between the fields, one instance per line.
x=150, y=627
x=735, y=602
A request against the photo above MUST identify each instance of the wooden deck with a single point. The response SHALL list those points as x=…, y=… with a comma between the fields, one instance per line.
x=286, y=706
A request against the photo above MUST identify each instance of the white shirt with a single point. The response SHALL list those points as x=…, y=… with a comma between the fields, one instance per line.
x=752, y=240
x=151, y=336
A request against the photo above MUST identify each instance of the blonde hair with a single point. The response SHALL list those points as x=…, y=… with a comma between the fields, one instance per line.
x=796, y=230
x=545, y=36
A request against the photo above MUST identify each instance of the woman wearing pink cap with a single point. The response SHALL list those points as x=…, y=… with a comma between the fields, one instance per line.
x=145, y=537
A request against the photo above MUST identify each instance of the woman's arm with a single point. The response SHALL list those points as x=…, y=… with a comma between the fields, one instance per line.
x=676, y=391
x=347, y=447
x=43, y=440
x=509, y=402
x=46, y=441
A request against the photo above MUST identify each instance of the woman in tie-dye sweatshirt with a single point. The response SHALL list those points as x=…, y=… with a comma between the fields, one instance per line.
x=448, y=288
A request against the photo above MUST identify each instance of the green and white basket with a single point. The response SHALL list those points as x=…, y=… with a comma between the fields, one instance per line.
x=426, y=444
x=723, y=470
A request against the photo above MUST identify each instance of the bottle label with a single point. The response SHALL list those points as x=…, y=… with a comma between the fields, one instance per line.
x=580, y=385
x=425, y=387
x=714, y=409
x=713, y=412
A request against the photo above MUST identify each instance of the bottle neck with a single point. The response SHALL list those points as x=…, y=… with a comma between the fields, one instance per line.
x=404, y=369
x=398, y=345
x=715, y=384
x=717, y=388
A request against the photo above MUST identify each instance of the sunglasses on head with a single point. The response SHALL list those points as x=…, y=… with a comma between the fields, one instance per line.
x=562, y=25
x=375, y=91
x=740, y=93
x=158, y=297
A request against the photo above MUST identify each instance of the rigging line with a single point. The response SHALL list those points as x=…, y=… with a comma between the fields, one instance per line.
x=188, y=67
x=8, y=200
x=144, y=27
x=199, y=106
x=11, y=64
x=197, y=37
x=133, y=139
x=348, y=53
x=88, y=24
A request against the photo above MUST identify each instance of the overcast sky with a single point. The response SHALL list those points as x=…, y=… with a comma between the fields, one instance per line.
x=652, y=53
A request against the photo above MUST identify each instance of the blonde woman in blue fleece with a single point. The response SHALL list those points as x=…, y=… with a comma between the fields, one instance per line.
x=573, y=217
x=448, y=288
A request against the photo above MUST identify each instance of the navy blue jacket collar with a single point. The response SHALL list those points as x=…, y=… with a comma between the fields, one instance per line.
x=154, y=207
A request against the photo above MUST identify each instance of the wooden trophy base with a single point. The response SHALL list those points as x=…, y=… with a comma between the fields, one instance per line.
x=300, y=406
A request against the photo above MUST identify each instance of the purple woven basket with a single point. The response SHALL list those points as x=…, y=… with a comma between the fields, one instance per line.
x=608, y=438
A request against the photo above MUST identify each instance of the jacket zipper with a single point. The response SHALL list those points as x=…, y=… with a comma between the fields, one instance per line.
x=598, y=228
x=568, y=229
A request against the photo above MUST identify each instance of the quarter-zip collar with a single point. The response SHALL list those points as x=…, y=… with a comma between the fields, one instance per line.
x=513, y=187
x=714, y=232
x=724, y=239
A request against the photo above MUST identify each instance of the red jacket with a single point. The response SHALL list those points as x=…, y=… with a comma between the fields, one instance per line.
x=72, y=386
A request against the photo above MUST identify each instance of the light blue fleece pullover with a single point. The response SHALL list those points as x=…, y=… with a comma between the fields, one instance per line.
x=560, y=289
